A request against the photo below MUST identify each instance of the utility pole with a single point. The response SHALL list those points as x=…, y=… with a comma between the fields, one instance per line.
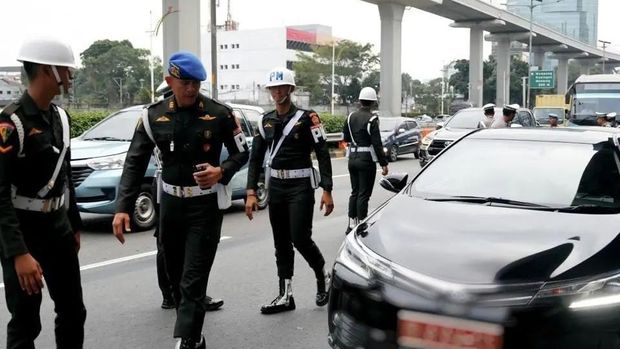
x=605, y=43
x=213, y=51
x=333, y=72
x=119, y=82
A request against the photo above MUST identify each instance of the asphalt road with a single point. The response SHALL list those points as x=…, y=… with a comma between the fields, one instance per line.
x=122, y=298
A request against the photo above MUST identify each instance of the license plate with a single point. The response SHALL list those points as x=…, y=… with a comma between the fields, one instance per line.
x=428, y=331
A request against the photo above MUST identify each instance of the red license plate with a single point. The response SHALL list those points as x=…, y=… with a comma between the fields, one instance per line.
x=427, y=331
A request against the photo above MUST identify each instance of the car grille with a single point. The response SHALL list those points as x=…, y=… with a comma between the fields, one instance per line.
x=436, y=146
x=79, y=174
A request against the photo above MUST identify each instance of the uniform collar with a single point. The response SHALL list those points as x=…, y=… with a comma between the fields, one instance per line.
x=28, y=105
x=289, y=113
x=172, y=105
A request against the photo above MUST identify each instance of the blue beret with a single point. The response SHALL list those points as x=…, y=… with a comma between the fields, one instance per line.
x=186, y=66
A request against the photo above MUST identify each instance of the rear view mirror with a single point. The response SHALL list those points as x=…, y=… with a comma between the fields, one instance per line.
x=395, y=182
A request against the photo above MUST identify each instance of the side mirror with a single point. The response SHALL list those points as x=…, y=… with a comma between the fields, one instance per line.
x=395, y=182
x=439, y=125
x=401, y=130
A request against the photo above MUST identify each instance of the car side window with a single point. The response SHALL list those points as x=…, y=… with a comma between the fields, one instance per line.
x=403, y=126
x=412, y=125
x=243, y=122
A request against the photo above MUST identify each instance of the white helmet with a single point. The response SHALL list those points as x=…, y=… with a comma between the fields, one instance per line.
x=47, y=50
x=280, y=77
x=368, y=94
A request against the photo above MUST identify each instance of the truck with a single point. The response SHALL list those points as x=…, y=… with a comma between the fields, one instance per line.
x=591, y=94
x=550, y=104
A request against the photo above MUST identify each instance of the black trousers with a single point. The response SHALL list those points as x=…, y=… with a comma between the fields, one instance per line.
x=362, y=173
x=291, y=207
x=163, y=280
x=190, y=234
x=50, y=241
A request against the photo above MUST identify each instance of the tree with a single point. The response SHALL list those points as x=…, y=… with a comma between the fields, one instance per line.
x=107, y=65
x=460, y=79
x=351, y=62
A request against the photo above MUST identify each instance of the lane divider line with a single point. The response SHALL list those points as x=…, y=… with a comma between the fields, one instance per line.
x=122, y=259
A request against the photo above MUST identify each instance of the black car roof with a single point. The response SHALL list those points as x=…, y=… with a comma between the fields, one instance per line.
x=588, y=135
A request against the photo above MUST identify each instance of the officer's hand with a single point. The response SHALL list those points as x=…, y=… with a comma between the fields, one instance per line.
x=29, y=273
x=328, y=202
x=78, y=241
x=385, y=170
x=250, y=206
x=207, y=175
x=120, y=224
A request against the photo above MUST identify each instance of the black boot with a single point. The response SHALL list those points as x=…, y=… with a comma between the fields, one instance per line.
x=168, y=302
x=190, y=343
x=323, y=281
x=283, y=302
x=212, y=304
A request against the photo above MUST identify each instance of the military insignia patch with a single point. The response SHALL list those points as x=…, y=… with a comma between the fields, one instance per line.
x=206, y=147
x=268, y=126
x=208, y=134
x=171, y=104
x=175, y=70
x=201, y=105
x=296, y=136
x=34, y=131
x=162, y=118
x=207, y=117
x=314, y=117
x=318, y=133
x=5, y=150
x=6, y=130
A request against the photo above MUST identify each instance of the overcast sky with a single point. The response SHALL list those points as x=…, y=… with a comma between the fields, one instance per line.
x=428, y=41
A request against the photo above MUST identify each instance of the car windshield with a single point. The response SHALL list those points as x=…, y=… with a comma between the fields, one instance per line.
x=468, y=119
x=542, y=114
x=388, y=124
x=119, y=126
x=544, y=173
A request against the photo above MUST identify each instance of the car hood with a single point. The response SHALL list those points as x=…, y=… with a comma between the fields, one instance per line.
x=81, y=149
x=451, y=134
x=481, y=244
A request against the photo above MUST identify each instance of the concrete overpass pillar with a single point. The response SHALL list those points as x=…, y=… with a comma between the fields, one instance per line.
x=475, y=66
x=539, y=58
x=562, y=75
x=391, y=31
x=503, y=72
x=181, y=27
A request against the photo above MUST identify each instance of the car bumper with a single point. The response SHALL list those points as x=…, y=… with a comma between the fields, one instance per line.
x=97, y=193
x=364, y=315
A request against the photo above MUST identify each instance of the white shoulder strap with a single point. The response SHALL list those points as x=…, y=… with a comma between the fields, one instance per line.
x=261, y=128
x=20, y=134
x=147, y=124
x=66, y=140
x=351, y=132
x=370, y=122
x=287, y=129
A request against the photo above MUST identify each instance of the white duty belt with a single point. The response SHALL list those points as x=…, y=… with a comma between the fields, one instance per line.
x=186, y=192
x=290, y=174
x=355, y=149
x=38, y=205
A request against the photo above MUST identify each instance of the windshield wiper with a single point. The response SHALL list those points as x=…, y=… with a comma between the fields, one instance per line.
x=107, y=138
x=490, y=199
x=589, y=208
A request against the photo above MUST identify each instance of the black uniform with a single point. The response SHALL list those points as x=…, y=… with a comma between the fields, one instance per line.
x=291, y=201
x=190, y=226
x=47, y=236
x=364, y=132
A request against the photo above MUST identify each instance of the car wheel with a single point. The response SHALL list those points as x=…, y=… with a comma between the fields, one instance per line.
x=393, y=153
x=144, y=214
x=261, y=196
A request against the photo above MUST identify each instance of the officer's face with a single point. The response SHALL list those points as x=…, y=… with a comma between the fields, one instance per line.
x=280, y=93
x=553, y=121
x=185, y=91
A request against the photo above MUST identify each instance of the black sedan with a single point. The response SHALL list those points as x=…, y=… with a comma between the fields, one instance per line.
x=508, y=239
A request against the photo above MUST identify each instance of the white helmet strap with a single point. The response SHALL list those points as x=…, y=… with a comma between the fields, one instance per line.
x=288, y=94
x=58, y=80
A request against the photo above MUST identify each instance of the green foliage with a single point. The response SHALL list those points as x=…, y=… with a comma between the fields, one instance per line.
x=332, y=123
x=83, y=120
x=352, y=63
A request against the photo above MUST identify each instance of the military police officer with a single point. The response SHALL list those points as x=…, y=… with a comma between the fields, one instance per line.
x=189, y=131
x=40, y=223
x=286, y=139
x=508, y=114
x=489, y=115
x=361, y=131
x=553, y=120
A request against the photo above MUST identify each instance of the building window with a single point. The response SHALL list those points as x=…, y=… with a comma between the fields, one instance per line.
x=8, y=92
x=226, y=46
x=1, y=92
x=225, y=66
x=237, y=86
x=289, y=65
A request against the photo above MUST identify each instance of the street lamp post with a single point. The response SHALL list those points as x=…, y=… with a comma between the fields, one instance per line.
x=333, y=72
x=119, y=82
x=605, y=43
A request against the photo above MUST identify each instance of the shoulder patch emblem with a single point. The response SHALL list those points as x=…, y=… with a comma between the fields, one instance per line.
x=268, y=125
x=5, y=150
x=314, y=117
x=6, y=129
x=207, y=117
x=34, y=131
x=162, y=118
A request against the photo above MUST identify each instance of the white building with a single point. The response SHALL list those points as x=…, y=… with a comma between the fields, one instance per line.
x=10, y=90
x=245, y=57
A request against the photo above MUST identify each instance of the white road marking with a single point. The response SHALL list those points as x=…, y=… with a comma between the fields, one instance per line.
x=347, y=175
x=123, y=259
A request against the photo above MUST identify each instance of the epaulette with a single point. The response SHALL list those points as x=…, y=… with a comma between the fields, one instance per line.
x=11, y=109
x=228, y=107
x=154, y=103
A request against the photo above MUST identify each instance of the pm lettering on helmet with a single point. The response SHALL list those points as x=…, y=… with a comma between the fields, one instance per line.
x=277, y=76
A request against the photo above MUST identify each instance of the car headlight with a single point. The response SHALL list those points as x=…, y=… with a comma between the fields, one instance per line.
x=113, y=162
x=363, y=262
x=586, y=294
x=426, y=141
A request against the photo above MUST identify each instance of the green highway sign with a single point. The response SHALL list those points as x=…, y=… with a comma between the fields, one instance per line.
x=542, y=79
